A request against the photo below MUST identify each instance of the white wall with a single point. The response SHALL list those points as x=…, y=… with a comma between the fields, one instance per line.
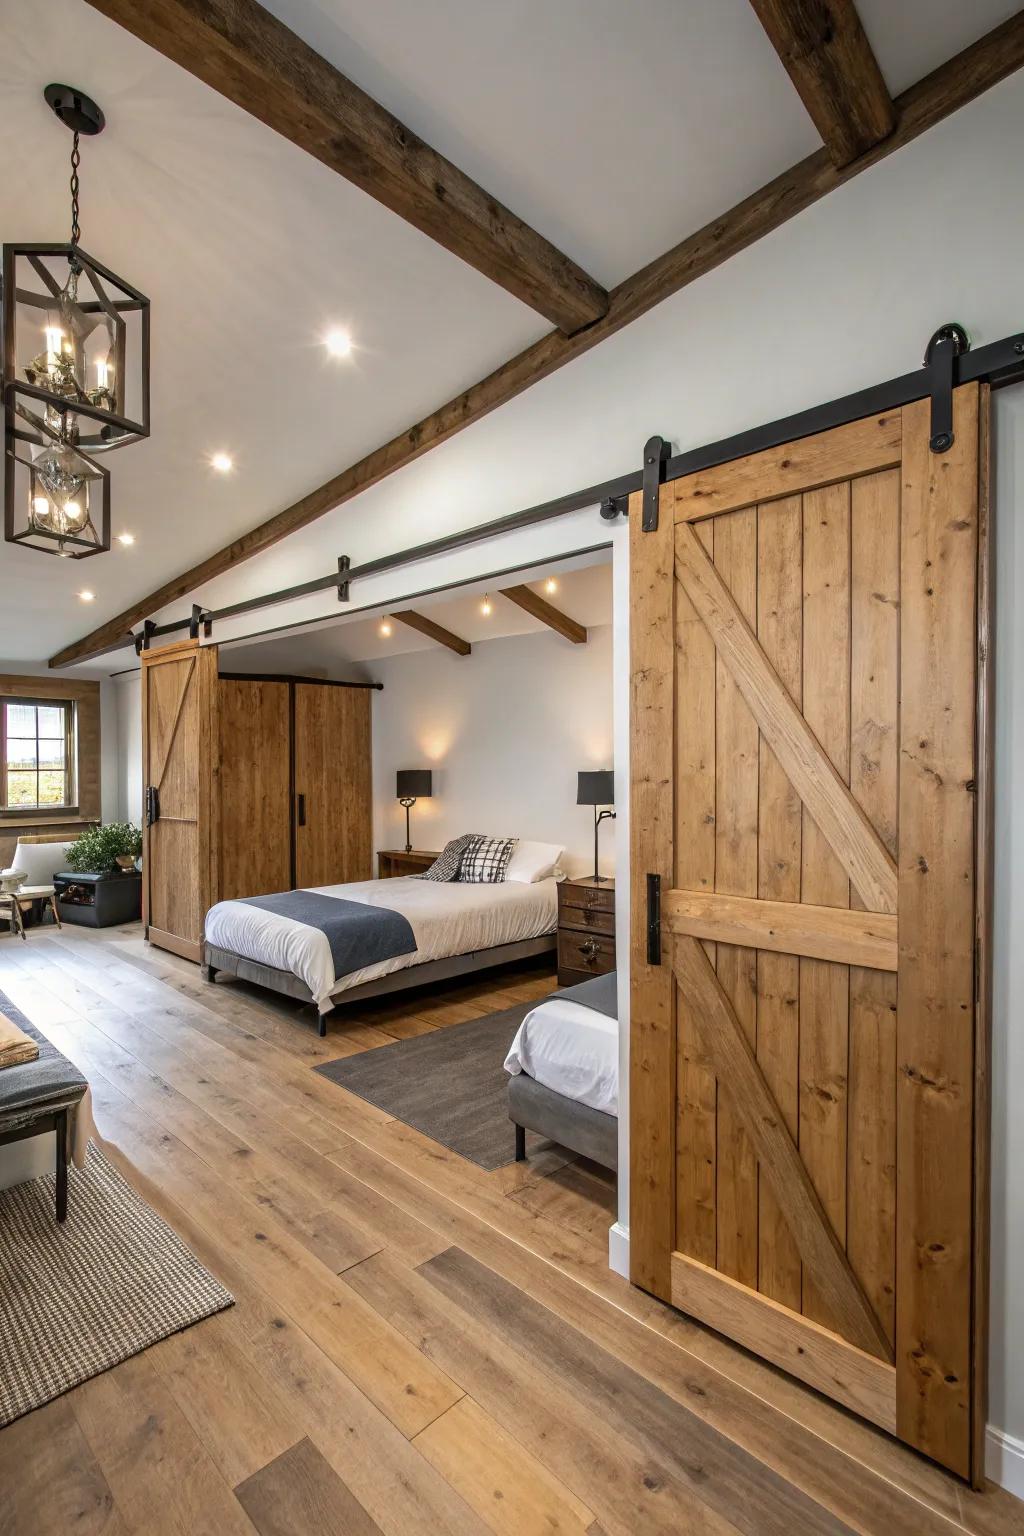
x=505, y=731
x=127, y=692
x=842, y=296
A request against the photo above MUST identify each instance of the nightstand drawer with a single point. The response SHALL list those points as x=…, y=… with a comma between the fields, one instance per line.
x=587, y=952
x=589, y=919
x=590, y=898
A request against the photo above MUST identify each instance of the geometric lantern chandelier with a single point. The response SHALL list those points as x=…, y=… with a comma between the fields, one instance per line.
x=75, y=376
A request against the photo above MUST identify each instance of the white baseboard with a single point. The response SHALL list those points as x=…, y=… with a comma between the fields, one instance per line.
x=618, y=1249
x=1004, y=1454
x=1004, y=1459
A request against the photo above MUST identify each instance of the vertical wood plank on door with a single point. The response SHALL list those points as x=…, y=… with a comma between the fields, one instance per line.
x=874, y=781
x=736, y=791
x=779, y=630
x=935, y=1023
x=695, y=871
x=652, y=1066
x=824, y=986
x=985, y=851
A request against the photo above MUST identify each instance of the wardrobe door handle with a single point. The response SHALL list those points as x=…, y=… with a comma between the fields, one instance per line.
x=152, y=805
x=301, y=811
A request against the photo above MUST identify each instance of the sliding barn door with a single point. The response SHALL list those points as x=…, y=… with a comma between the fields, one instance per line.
x=179, y=751
x=333, y=790
x=804, y=1114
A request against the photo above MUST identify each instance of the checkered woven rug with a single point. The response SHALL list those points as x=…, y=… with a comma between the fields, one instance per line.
x=79, y=1298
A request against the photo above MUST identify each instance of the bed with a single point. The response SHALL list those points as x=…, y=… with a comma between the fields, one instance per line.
x=563, y=1068
x=449, y=928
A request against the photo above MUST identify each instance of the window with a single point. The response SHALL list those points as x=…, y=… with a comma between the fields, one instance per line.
x=37, y=747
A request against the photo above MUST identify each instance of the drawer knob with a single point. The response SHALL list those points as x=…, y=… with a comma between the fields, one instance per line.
x=589, y=947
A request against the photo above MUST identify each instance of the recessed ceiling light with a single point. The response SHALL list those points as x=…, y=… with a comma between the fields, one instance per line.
x=126, y=538
x=86, y=595
x=338, y=343
x=385, y=628
x=223, y=463
x=486, y=607
x=551, y=585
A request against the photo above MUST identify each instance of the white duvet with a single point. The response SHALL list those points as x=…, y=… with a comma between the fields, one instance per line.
x=446, y=919
x=571, y=1049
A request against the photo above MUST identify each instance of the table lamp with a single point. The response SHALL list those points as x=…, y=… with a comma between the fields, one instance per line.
x=412, y=784
x=596, y=787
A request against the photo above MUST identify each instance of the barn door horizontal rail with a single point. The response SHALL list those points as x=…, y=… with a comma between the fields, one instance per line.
x=948, y=363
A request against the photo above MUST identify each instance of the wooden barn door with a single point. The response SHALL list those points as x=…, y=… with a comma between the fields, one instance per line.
x=179, y=754
x=804, y=1109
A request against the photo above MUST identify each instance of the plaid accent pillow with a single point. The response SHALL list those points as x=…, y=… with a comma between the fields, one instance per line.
x=486, y=859
x=449, y=861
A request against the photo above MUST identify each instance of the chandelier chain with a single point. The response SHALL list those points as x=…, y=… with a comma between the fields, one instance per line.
x=76, y=160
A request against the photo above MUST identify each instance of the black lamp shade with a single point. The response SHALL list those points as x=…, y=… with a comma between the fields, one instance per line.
x=596, y=787
x=413, y=784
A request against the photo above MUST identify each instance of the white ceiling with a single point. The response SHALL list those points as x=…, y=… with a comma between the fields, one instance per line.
x=615, y=129
x=350, y=647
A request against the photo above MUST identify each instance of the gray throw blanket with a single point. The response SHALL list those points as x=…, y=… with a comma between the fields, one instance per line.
x=358, y=934
x=597, y=993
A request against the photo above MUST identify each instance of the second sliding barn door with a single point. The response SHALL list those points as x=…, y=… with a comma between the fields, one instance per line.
x=803, y=1120
x=333, y=790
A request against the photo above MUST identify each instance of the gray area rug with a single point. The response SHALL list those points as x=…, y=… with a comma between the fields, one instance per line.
x=79, y=1298
x=450, y=1084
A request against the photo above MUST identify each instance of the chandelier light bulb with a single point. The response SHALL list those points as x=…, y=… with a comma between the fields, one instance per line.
x=385, y=628
x=223, y=463
x=86, y=595
x=486, y=607
x=551, y=585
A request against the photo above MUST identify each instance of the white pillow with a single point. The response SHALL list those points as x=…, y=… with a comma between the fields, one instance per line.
x=531, y=862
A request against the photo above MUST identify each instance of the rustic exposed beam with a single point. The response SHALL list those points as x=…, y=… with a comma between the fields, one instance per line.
x=539, y=608
x=830, y=61
x=425, y=626
x=240, y=50
x=998, y=54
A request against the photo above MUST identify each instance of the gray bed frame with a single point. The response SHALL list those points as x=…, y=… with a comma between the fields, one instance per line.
x=590, y=1132
x=226, y=960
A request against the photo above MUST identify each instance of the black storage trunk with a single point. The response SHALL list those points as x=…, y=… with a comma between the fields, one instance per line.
x=99, y=901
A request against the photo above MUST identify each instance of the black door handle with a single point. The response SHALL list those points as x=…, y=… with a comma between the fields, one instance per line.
x=300, y=814
x=152, y=805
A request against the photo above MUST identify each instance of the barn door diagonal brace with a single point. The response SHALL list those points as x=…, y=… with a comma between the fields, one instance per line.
x=948, y=343
x=656, y=455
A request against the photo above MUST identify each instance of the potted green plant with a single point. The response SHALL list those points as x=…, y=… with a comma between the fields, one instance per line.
x=102, y=886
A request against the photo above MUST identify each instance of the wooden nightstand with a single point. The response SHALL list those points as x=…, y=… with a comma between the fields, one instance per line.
x=395, y=861
x=586, y=929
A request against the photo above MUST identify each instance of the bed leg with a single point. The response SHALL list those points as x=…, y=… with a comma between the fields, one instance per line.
x=520, y=1143
x=321, y=1028
x=211, y=973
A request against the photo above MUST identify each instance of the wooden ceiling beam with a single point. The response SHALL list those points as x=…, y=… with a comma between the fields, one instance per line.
x=425, y=626
x=825, y=50
x=247, y=55
x=998, y=54
x=539, y=608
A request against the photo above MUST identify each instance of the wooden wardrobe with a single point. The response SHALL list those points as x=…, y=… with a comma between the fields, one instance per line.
x=252, y=784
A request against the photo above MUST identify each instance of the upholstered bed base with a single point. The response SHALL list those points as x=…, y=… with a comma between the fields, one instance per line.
x=590, y=1132
x=412, y=976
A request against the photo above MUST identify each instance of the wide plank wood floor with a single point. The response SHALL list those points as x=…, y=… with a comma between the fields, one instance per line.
x=417, y=1346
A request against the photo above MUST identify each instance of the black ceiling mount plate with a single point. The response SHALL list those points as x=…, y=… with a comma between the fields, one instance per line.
x=75, y=109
